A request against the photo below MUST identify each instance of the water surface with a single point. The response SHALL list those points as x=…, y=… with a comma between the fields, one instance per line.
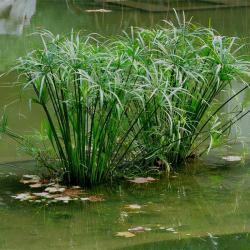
x=207, y=205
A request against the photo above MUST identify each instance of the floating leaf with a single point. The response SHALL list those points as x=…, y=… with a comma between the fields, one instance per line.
x=98, y=10
x=139, y=229
x=43, y=194
x=96, y=198
x=125, y=234
x=64, y=199
x=55, y=190
x=24, y=197
x=232, y=158
x=141, y=180
x=170, y=229
x=36, y=185
x=133, y=206
x=30, y=179
x=84, y=199
x=73, y=192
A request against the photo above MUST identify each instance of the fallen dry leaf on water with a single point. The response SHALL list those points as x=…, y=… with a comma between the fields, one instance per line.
x=36, y=185
x=73, y=192
x=64, y=199
x=141, y=180
x=98, y=10
x=43, y=194
x=170, y=229
x=95, y=198
x=232, y=158
x=139, y=229
x=55, y=190
x=125, y=234
x=24, y=196
x=30, y=179
x=133, y=206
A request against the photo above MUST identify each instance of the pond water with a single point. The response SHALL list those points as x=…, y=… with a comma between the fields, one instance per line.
x=207, y=206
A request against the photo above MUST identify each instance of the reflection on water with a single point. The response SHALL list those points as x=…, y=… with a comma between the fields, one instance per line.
x=15, y=14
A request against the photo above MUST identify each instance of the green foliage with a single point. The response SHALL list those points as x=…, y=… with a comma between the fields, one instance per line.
x=132, y=100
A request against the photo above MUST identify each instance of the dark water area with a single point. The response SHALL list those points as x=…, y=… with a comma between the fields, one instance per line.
x=205, y=206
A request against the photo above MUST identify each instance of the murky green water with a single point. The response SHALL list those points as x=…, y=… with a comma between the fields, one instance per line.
x=208, y=206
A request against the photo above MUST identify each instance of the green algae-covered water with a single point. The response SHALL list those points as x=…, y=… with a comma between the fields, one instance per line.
x=203, y=207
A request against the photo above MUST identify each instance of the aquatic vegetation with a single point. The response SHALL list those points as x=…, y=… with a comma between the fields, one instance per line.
x=131, y=102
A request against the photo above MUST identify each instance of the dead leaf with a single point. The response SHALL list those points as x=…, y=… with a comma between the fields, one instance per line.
x=98, y=10
x=55, y=190
x=170, y=229
x=96, y=198
x=133, y=206
x=125, y=234
x=232, y=158
x=141, y=180
x=30, y=179
x=24, y=197
x=36, y=185
x=139, y=229
x=84, y=199
x=43, y=194
x=73, y=192
x=64, y=199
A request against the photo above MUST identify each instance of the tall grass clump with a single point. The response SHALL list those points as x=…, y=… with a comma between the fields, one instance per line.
x=148, y=95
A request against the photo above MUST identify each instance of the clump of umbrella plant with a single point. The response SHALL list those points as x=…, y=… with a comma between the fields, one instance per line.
x=149, y=95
